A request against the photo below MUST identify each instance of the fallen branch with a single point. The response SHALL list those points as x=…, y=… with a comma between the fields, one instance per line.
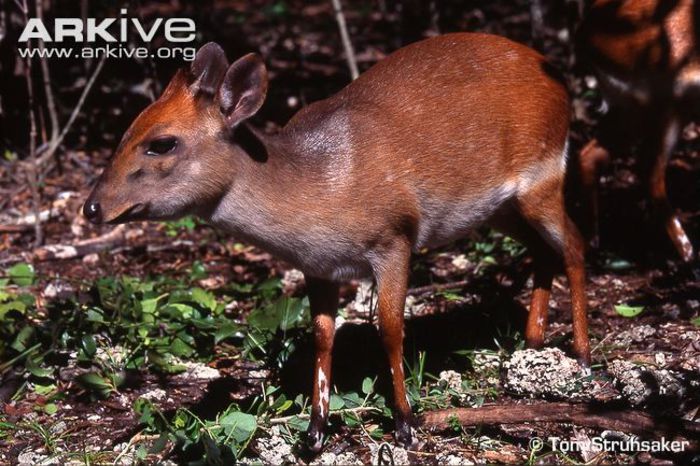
x=110, y=240
x=27, y=222
x=587, y=415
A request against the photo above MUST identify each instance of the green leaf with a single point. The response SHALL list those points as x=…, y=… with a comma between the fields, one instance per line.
x=199, y=271
x=164, y=363
x=618, y=264
x=50, y=408
x=21, y=341
x=16, y=306
x=149, y=306
x=37, y=370
x=367, y=386
x=352, y=399
x=204, y=298
x=695, y=321
x=89, y=346
x=180, y=311
x=95, y=382
x=628, y=311
x=336, y=402
x=239, y=425
x=285, y=406
x=44, y=390
x=291, y=312
x=225, y=330
x=21, y=274
x=180, y=348
x=298, y=424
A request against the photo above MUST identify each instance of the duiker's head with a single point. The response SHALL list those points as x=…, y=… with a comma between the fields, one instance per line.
x=175, y=159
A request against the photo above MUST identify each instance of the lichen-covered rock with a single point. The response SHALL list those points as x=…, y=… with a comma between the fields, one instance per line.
x=386, y=452
x=274, y=449
x=33, y=458
x=545, y=373
x=452, y=459
x=634, y=335
x=197, y=371
x=364, y=297
x=293, y=280
x=639, y=384
x=157, y=394
x=486, y=362
x=345, y=458
x=451, y=380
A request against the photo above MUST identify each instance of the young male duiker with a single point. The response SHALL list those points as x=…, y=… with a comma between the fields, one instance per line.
x=441, y=136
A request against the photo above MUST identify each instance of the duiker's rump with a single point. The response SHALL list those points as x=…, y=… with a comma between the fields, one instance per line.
x=645, y=54
x=441, y=136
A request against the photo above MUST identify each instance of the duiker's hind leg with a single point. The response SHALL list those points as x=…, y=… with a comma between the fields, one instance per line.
x=543, y=208
x=544, y=260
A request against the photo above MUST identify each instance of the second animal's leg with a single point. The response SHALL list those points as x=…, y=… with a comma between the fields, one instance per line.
x=592, y=158
x=656, y=152
x=323, y=299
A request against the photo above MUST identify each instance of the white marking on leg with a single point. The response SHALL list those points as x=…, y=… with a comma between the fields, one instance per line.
x=323, y=390
x=682, y=237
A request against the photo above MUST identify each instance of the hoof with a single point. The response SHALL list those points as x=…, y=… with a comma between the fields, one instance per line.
x=405, y=435
x=314, y=440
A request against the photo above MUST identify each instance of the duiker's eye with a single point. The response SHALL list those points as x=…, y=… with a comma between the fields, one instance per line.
x=162, y=145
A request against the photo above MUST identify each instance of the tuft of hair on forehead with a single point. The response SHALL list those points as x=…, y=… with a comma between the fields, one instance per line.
x=179, y=83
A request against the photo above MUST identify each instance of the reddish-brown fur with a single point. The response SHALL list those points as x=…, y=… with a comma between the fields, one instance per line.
x=644, y=52
x=439, y=137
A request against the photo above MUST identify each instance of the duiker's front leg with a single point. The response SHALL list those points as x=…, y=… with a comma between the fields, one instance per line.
x=392, y=280
x=323, y=298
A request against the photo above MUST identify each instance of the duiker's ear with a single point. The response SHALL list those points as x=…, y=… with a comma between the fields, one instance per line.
x=208, y=69
x=244, y=89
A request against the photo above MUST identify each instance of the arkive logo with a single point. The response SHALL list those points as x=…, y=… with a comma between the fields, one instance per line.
x=92, y=29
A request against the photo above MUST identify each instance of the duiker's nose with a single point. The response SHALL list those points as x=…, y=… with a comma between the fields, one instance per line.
x=92, y=211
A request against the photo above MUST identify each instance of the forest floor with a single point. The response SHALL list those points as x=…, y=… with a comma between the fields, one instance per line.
x=172, y=342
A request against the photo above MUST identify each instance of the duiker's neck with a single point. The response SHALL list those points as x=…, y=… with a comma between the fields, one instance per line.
x=273, y=186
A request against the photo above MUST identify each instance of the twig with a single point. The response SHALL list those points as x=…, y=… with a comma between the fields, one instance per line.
x=345, y=37
x=437, y=287
x=48, y=150
x=358, y=410
x=32, y=167
x=50, y=103
x=589, y=415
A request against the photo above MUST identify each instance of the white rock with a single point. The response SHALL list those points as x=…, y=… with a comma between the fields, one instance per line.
x=640, y=383
x=198, y=371
x=451, y=380
x=157, y=394
x=545, y=373
x=399, y=455
x=274, y=449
